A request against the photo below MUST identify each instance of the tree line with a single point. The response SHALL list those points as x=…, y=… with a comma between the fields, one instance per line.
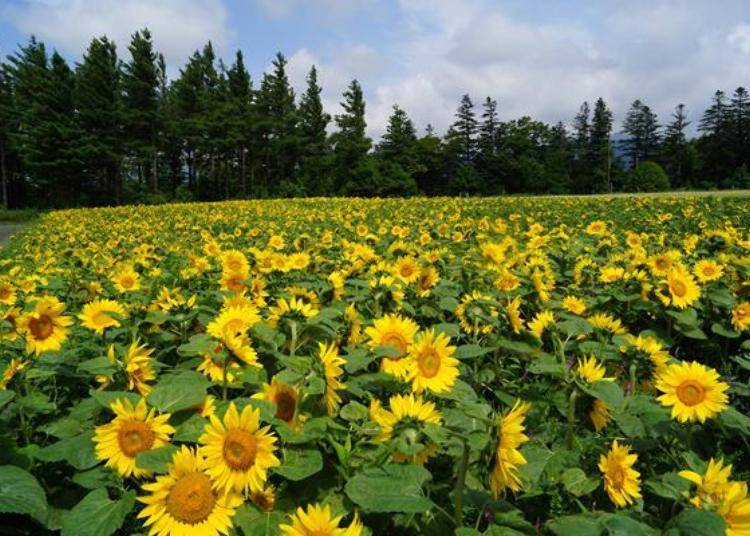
x=111, y=130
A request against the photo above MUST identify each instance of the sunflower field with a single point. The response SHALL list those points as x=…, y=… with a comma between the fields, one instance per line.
x=500, y=366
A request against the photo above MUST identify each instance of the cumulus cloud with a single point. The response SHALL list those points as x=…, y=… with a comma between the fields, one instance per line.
x=283, y=8
x=178, y=26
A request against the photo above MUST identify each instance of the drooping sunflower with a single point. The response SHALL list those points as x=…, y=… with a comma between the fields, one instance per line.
x=398, y=332
x=97, y=316
x=508, y=458
x=428, y=278
x=332, y=363
x=599, y=414
x=621, y=481
x=285, y=397
x=317, y=520
x=216, y=366
x=239, y=452
x=184, y=502
x=692, y=390
x=405, y=414
x=134, y=429
x=139, y=367
x=45, y=327
x=126, y=279
x=711, y=484
x=432, y=366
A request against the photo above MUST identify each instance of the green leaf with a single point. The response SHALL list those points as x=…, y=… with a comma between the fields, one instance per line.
x=537, y=457
x=300, y=463
x=724, y=332
x=391, y=488
x=608, y=392
x=622, y=525
x=105, y=398
x=77, y=451
x=668, y=486
x=547, y=364
x=354, y=411
x=190, y=429
x=731, y=418
x=692, y=522
x=578, y=525
x=156, y=460
x=471, y=351
x=197, y=346
x=451, y=330
x=254, y=522
x=577, y=483
x=97, y=515
x=179, y=391
x=98, y=365
x=5, y=397
x=20, y=493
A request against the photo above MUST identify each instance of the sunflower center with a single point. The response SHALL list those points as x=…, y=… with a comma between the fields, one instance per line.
x=678, y=288
x=407, y=270
x=234, y=327
x=394, y=339
x=691, y=393
x=240, y=449
x=101, y=318
x=285, y=406
x=42, y=327
x=4, y=293
x=191, y=499
x=617, y=477
x=135, y=437
x=429, y=363
x=234, y=265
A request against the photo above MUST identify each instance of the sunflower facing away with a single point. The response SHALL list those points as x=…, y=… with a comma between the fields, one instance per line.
x=285, y=397
x=405, y=414
x=397, y=332
x=239, y=452
x=45, y=327
x=432, y=366
x=135, y=429
x=97, y=315
x=317, y=520
x=139, y=367
x=183, y=502
x=507, y=456
x=621, y=481
x=332, y=362
x=693, y=391
x=711, y=484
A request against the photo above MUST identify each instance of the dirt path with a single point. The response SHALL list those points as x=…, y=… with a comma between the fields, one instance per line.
x=7, y=230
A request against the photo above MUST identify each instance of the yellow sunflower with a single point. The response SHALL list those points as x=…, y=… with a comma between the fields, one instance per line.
x=293, y=309
x=693, y=391
x=7, y=292
x=474, y=314
x=126, y=279
x=285, y=397
x=711, y=484
x=735, y=509
x=235, y=261
x=431, y=363
x=135, y=429
x=541, y=322
x=590, y=370
x=407, y=269
x=14, y=367
x=332, y=363
x=139, y=367
x=599, y=414
x=97, y=315
x=621, y=481
x=741, y=316
x=183, y=502
x=317, y=520
x=574, y=305
x=508, y=458
x=683, y=290
x=233, y=322
x=707, y=270
x=513, y=311
x=239, y=452
x=45, y=327
x=428, y=278
x=404, y=412
x=395, y=331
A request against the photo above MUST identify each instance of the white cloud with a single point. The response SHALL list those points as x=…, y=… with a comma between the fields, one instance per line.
x=178, y=27
x=740, y=37
x=279, y=9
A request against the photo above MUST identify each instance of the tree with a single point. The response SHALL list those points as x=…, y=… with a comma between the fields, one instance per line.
x=739, y=109
x=675, y=148
x=98, y=101
x=600, y=151
x=581, y=163
x=491, y=159
x=397, y=154
x=647, y=177
x=353, y=173
x=716, y=141
x=141, y=106
x=429, y=149
x=315, y=164
x=642, y=130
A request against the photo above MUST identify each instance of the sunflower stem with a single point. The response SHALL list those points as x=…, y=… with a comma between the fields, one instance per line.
x=463, y=466
x=689, y=436
x=571, y=417
x=293, y=341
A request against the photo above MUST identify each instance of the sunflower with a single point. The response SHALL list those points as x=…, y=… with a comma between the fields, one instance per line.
x=513, y=312
x=233, y=322
x=591, y=371
x=735, y=509
x=406, y=411
x=184, y=502
x=574, y=305
x=693, y=391
x=264, y=499
x=407, y=269
x=317, y=520
x=238, y=451
x=508, y=458
x=45, y=327
x=621, y=481
x=126, y=279
x=541, y=322
x=214, y=365
x=139, y=367
x=397, y=332
x=428, y=278
x=599, y=414
x=475, y=314
x=606, y=322
x=741, y=316
x=234, y=261
x=96, y=315
x=14, y=367
x=431, y=363
x=285, y=397
x=293, y=309
x=332, y=362
x=711, y=484
x=7, y=292
x=683, y=290
x=707, y=270
x=135, y=429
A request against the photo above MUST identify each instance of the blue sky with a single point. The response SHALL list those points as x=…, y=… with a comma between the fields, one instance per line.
x=541, y=58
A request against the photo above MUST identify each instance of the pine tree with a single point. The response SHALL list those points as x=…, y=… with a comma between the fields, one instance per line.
x=581, y=162
x=99, y=105
x=600, y=153
x=397, y=155
x=315, y=165
x=429, y=176
x=240, y=116
x=675, y=148
x=352, y=171
x=642, y=129
x=7, y=127
x=490, y=160
x=716, y=127
x=740, y=113
x=464, y=131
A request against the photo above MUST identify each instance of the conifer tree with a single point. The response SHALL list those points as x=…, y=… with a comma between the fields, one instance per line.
x=352, y=170
x=315, y=164
x=642, y=130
